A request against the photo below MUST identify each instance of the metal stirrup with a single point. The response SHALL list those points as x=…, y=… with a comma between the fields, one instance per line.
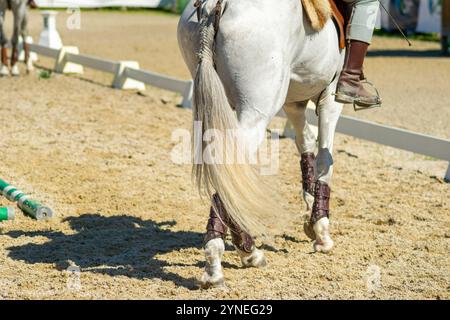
x=359, y=107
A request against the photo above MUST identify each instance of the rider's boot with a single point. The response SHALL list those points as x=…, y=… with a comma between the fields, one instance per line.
x=349, y=87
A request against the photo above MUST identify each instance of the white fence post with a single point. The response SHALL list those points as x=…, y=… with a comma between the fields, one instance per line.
x=121, y=80
x=63, y=66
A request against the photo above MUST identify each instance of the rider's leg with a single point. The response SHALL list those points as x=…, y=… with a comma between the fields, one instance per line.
x=359, y=35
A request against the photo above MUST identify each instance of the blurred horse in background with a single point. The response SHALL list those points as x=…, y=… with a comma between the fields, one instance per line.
x=19, y=9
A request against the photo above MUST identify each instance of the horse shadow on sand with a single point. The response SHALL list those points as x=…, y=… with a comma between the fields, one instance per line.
x=115, y=245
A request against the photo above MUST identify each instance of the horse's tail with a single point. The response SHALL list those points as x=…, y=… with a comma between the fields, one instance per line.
x=246, y=199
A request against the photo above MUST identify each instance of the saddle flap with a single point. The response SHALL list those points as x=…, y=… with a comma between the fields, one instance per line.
x=318, y=13
x=339, y=22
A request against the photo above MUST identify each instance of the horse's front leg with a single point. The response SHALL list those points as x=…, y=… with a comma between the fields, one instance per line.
x=329, y=112
x=305, y=140
x=4, y=70
x=15, y=49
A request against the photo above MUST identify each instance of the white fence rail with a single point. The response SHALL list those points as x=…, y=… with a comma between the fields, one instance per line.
x=63, y=57
x=45, y=51
x=163, y=82
x=102, y=3
x=92, y=62
x=362, y=129
x=389, y=136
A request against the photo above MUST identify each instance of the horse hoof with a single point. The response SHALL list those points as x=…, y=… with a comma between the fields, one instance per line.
x=309, y=200
x=309, y=229
x=323, y=247
x=323, y=242
x=213, y=275
x=4, y=71
x=210, y=282
x=254, y=259
x=15, y=71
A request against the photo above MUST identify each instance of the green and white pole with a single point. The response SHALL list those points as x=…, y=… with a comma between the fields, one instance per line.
x=6, y=213
x=31, y=208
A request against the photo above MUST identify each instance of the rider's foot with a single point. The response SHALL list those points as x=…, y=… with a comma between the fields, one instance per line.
x=349, y=87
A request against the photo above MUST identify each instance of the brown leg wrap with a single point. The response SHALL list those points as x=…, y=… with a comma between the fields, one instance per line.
x=218, y=223
x=216, y=227
x=26, y=49
x=321, y=206
x=307, y=167
x=14, y=56
x=4, y=56
x=241, y=239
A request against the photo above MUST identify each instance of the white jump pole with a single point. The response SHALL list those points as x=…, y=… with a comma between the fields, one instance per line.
x=49, y=36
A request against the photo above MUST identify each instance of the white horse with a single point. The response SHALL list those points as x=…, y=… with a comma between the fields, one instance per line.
x=19, y=9
x=263, y=57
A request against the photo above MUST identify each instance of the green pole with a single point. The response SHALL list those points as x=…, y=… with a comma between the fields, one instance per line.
x=6, y=213
x=31, y=208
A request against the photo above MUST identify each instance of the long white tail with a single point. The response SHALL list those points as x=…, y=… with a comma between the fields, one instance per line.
x=245, y=197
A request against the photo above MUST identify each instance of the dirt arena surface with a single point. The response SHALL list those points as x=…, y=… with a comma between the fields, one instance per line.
x=128, y=217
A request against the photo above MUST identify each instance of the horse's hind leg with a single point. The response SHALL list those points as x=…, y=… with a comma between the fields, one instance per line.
x=216, y=232
x=245, y=246
x=329, y=112
x=4, y=71
x=218, y=224
x=305, y=139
